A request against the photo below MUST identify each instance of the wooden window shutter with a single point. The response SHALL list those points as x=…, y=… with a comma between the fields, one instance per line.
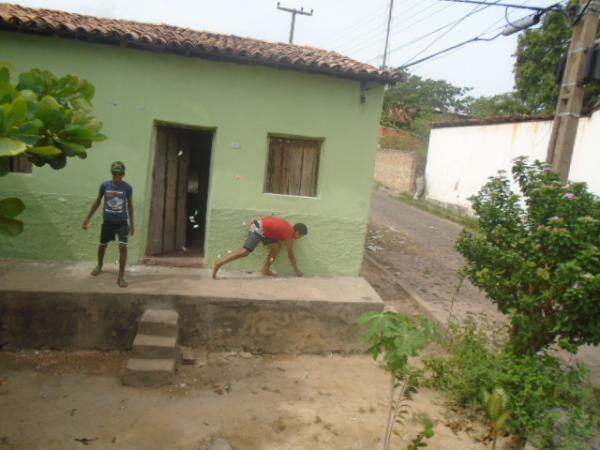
x=19, y=164
x=293, y=166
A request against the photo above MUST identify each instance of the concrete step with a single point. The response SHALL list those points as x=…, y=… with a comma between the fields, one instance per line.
x=154, y=347
x=149, y=372
x=159, y=322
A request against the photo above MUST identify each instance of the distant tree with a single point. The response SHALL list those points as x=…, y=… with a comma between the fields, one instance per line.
x=46, y=119
x=497, y=106
x=417, y=96
x=538, y=58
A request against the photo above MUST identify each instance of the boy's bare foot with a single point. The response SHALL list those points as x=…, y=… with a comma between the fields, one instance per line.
x=97, y=271
x=268, y=273
x=216, y=267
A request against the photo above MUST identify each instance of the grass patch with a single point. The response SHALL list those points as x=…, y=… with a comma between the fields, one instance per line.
x=444, y=213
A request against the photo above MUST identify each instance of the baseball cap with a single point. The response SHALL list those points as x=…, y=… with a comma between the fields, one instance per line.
x=117, y=167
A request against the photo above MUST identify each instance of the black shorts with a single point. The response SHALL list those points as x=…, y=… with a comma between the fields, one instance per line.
x=111, y=229
x=254, y=238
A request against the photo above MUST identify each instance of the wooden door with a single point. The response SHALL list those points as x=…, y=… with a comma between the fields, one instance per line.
x=168, y=206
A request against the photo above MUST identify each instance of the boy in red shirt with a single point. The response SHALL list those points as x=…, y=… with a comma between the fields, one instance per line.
x=270, y=231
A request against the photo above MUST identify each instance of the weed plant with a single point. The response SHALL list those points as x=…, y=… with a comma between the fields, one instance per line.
x=546, y=397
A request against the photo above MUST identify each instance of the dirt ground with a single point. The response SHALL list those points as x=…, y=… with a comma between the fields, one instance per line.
x=55, y=400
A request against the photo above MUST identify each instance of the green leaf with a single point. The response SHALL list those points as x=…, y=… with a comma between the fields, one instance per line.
x=36, y=80
x=77, y=131
x=7, y=93
x=48, y=107
x=72, y=148
x=10, y=227
x=46, y=150
x=82, y=104
x=13, y=114
x=543, y=274
x=4, y=75
x=99, y=137
x=10, y=67
x=29, y=132
x=11, y=147
x=11, y=207
x=87, y=90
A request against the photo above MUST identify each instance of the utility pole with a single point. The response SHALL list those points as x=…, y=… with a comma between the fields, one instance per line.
x=387, y=35
x=293, y=12
x=570, y=99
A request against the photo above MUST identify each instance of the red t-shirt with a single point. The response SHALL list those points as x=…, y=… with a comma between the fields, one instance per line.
x=277, y=229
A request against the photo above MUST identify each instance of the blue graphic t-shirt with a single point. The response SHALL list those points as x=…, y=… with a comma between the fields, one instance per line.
x=116, y=199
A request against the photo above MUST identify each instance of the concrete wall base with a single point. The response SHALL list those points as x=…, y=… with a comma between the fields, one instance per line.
x=254, y=314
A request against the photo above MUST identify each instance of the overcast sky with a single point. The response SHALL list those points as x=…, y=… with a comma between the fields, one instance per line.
x=353, y=27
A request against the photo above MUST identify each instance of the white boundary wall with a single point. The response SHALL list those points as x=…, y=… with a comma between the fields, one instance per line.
x=460, y=159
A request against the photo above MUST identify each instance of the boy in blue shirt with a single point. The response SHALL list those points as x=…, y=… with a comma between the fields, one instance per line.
x=118, y=218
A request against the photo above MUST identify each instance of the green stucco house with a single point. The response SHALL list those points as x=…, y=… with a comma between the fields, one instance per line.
x=214, y=130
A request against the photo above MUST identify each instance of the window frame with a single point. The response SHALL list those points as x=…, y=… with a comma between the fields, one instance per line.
x=319, y=141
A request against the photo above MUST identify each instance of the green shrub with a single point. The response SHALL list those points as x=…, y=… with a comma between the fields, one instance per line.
x=537, y=256
x=397, y=337
x=537, y=387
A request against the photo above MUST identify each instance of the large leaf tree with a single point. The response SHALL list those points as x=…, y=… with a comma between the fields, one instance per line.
x=538, y=60
x=45, y=119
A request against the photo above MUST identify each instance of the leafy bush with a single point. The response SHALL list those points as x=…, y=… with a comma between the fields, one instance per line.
x=537, y=387
x=46, y=118
x=537, y=257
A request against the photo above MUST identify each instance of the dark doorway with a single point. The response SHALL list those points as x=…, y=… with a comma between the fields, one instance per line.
x=178, y=206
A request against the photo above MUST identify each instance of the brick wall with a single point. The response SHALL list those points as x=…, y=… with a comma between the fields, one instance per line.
x=396, y=169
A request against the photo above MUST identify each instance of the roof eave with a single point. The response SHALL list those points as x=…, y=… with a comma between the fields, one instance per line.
x=204, y=54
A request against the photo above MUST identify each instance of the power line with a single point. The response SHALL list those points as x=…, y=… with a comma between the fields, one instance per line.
x=457, y=46
x=461, y=44
x=487, y=30
x=421, y=20
x=369, y=43
x=483, y=33
x=378, y=28
x=342, y=35
x=581, y=14
x=420, y=38
x=476, y=10
x=508, y=5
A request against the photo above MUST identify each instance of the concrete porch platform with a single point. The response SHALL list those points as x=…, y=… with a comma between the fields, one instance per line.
x=60, y=306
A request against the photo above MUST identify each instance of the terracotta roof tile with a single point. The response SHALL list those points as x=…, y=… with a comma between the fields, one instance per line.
x=161, y=37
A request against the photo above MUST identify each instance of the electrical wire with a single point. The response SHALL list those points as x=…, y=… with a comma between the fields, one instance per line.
x=420, y=38
x=583, y=10
x=476, y=10
x=478, y=38
x=371, y=42
x=379, y=28
x=341, y=36
x=420, y=21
